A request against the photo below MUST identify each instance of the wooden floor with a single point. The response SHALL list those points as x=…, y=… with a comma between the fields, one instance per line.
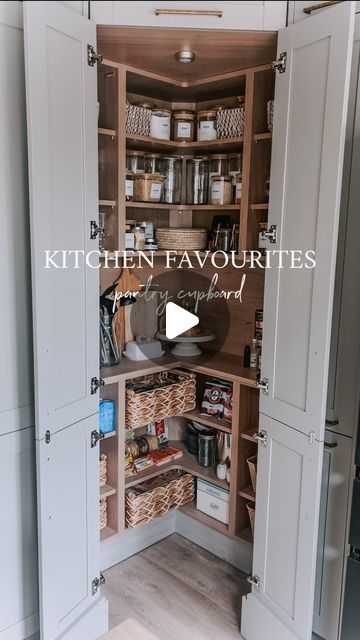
x=177, y=591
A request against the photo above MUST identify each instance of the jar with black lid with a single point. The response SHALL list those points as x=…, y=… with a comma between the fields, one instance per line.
x=207, y=449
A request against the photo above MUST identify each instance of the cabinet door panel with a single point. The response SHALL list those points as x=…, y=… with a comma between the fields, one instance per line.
x=61, y=106
x=308, y=141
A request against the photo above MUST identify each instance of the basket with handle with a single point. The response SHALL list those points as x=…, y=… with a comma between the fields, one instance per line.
x=252, y=464
x=251, y=511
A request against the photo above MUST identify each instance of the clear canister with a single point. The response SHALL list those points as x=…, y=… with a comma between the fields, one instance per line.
x=129, y=187
x=218, y=166
x=221, y=190
x=235, y=167
x=152, y=162
x=184, y=126
x=197, y=175
x=171, y=168
x=135, y=161
x=206, y=129
x=160, y=124
x=207, y=449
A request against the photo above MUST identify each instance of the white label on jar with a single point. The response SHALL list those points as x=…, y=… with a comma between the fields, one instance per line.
x=183, y=130
x=155, y=191
x=238, y=189
x=217, y=191
x=207, y=130
x=129, y=188
x=160, y=127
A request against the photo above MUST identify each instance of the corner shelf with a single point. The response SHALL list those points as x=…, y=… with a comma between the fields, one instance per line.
x=147, y=143
x=248, y=493
x=259, y=207
x=107, y=203
x=207, y=421
x=106, y=490
x=259, y=137
x=107, y=533
x=182, y=207
x=190, y=510
x=245, y=535
x=106, y=132
x=248, y=435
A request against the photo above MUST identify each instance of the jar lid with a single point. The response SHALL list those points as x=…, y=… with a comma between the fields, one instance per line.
x=153, y=155
x=199, y=159
x=184, y=115
x=159, y=177
x=207, y=112
x=130, y=174
x=161, y=112
x=146, y=105
x=219, y=156
x=140, y=154
x=221, y=178
x=206, y=435
x=235, y=155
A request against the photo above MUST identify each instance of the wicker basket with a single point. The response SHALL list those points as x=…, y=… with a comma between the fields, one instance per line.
x=172, y=400
x=270, y=114
x=137, y=120
x=103, y=469
x=103, y=513
x=251, y=511
x=230, y=122
x=252, y=464
x=150, y=500
x=182, y=238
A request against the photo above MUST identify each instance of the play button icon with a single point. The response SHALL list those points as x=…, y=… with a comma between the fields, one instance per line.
x=178, y=320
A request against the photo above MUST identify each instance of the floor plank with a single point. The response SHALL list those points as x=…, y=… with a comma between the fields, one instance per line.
x=177, y=590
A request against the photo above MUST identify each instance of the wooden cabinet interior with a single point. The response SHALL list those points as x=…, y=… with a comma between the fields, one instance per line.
x=119, y=82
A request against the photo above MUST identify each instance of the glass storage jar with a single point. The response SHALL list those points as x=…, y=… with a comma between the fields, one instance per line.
x=148, y=187
x=218, y=166
x=152, y=162
x=207, y=448
x=135, y=161
x=184, y=126
x=206, y=129
x=160, y=124
x=129, y=187
x=235, y=167
x=221, y=190
x=197, y=176
x=238, y=188
x=171, y=168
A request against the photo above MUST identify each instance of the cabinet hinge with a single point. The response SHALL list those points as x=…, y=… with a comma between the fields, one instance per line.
x=47, y=436
x=93, y=57
x=280, y=64
x=95, y=437
x=270, y=234
x=260, y=436
x=254, y=580
x=95, y=384
x=263, y=385
x=312, y=436
x=95, y=230
x=96, y=583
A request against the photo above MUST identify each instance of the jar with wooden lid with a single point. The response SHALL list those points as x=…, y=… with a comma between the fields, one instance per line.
x=221, y=190
x=184, y=126
x=197, y=177
x=160, y=124
x=218, y=166
x=135, y=161
x=139, y=237
x=206, y=129
x=129, y=187
x=148, y=187
x=171, y=168
x=152, y=162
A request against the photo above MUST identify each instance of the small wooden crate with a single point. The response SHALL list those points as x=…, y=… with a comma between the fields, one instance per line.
x=251, y=511
x=147, y=501
x=164, y=402
x=103, y=469
x=252, y=464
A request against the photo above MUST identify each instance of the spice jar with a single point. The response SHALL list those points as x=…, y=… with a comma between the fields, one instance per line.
x=206, y=129
x=135, y=161
x=152, y=162
x=235, y=167
x=171, y=168
x=160, y=124
x=139, y=236
x=129, y=187
x=207, y=449
x=148, y=187
x=184, y=126
x=197, y=176
x=238, y=188
x=221, y=191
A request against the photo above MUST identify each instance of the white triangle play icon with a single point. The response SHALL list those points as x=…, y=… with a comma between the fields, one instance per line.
x=178, y=320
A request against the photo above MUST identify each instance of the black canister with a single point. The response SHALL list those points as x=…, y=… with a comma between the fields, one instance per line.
x=207, y=448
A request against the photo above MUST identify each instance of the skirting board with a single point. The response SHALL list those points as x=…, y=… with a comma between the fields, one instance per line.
x=135, y=540
x=22, y=629
x=93, y=624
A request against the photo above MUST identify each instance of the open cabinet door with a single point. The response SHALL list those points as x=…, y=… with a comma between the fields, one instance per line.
x=62, y=142
x=311, y=98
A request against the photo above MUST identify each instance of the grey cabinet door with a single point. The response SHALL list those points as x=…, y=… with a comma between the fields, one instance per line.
x=308, y=140
x=307, y=159
x=62, y=143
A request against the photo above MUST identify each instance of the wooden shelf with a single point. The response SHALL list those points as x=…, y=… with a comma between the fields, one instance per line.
x=146, y=143
x=258, y=137
x=259, y=207
x=248, y=493
x=245, y=535
x=190, y=510
x=107, y=491
x=207, y=421
x=248, y=435
x=106, y=132
x=107, y=534
x=107, y=203
x=187, y=463
x=182, y=207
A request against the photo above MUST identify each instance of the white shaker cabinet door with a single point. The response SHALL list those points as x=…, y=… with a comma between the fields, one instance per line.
x=62, y=142
x=307, y=159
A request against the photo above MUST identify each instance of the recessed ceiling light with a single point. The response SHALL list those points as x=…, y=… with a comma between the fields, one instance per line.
x=185, y=56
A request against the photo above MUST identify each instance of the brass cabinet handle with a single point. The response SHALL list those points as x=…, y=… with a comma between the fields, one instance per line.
x=322, y=5
x=330, y=445
x=217, y=13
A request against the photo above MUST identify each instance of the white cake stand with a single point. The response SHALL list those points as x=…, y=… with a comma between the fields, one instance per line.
x=187, y=345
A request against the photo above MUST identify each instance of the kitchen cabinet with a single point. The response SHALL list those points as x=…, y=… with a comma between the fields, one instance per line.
x=234, y=15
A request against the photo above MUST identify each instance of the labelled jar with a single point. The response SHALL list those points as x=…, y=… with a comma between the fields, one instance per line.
x=235, y=167
x=152, y=162
x=135, y=161
x=148, y=187
x=218, y=166
x=129, y=187
x=197, y=177
x=206, y=125
x=171, y=168
x=221, y=190
x=160, y=124
x=238, y=188
x=184, y=126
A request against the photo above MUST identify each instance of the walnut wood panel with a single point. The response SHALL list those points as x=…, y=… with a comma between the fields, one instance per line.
x=107, y=96
x=264, y=87
x=121, y=160
x=154, y=50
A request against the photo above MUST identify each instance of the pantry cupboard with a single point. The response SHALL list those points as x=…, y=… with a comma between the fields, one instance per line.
x=305, y=185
